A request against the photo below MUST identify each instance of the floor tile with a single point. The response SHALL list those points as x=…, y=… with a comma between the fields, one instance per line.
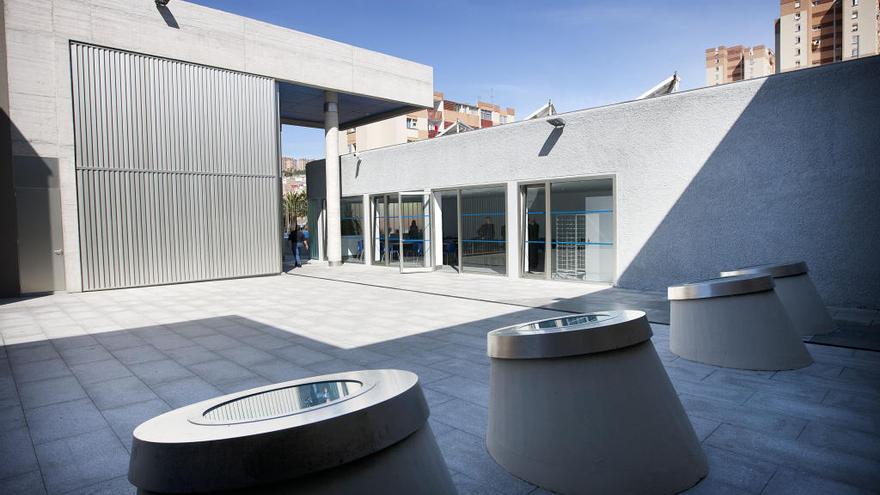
x=82, y=461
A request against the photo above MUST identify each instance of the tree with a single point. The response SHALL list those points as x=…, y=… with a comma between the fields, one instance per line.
x=296, y=205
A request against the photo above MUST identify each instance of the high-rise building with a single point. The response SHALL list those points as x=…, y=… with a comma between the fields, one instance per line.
x=816, y=32
x=293, y=174
x=735, y=63
x=426, y=124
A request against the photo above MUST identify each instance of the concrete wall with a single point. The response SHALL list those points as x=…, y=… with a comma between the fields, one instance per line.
x=9, y=285
x=37, y=38
x=773, y=169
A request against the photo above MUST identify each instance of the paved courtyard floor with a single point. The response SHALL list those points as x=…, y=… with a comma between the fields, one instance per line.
x=79, y=371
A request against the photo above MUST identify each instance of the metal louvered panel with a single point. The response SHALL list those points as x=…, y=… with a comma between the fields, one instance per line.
x=177, y=170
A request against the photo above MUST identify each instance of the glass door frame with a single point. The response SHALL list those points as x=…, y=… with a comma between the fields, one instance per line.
x=428, y=264
x=524, y=231
x=379, y=237
x=458, y=248
x=548, y=214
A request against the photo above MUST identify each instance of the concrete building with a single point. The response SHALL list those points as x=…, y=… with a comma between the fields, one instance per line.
x=642, y=194
x=426, y=124
x=737, y=63
x=289, y=164
x=131, y=129
x=817, y=32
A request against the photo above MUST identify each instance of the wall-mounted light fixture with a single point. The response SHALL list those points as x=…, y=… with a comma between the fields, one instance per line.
x=556, y=122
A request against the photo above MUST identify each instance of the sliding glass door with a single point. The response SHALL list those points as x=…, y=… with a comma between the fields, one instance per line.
x=414, y=232
x=351, y=217
x=483, y=230
x=535, y=246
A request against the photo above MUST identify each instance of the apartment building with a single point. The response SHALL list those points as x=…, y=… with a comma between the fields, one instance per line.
x=289, y=164
x=736, y=63
x=816, y=32
x=426, y=124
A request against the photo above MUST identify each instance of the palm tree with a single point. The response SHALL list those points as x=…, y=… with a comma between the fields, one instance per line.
x=296, y=205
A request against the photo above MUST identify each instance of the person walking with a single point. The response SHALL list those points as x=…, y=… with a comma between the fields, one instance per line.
x=291, y=238
x=306, y=241
x=300, y=240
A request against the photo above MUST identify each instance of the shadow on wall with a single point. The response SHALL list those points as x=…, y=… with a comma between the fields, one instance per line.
x=167, y=16
x=551, y=141
x=37, y=213
x=783, y=194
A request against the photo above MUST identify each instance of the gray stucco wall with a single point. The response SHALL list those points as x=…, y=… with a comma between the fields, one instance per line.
x=773, y=169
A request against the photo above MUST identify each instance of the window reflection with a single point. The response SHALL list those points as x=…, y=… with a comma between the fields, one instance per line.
x=483, y=230
x=281, y=402
x=350, y=219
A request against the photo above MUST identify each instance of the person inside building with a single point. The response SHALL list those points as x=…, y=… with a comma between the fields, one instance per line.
x=533, y=230
x=487, y=230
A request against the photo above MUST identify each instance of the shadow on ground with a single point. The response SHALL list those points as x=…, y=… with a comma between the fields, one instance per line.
x=69, y=405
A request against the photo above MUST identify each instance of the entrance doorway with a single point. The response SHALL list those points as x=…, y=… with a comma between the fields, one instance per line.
x=402, y=231
x=450, y=232
x=414, y=234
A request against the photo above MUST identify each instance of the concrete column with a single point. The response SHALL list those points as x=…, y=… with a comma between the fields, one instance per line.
x=331, y=169
x=320, y=234
x=366, y=224
x=513, y=242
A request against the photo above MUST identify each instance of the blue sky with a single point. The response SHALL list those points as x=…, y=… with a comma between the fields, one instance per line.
x=519, y=53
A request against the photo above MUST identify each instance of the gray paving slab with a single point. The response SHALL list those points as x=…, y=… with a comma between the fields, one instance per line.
x=87, y=354
x=301, y=355
x=474, y=391
x=81, y=461
x=468, y=486
x=57, y=421
x=123, y=420
x=857, y=420
x=161, y=371
x=435, y=398
x=713, y=487
x=140, y=354
x=462, y=415
x=193, y=354
x=50, y=391
x=842, y=439
x=742, y=472
x=23, y=484
x=216, y=342
x=119, y=392
x=67, y=343
x=822, y=462
x=120, y=486
x=40, y=370
x=790, y=482
x=17, y=453
x=27, y=353
x=186, y=391
x=246, y=355
x=100, y=371
x=115, y=341
x=221, y=371
x=279, y=370
x=466, y=453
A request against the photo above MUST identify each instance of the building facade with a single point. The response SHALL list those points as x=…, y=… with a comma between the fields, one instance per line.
x=642, y=194
x=737, y=63
x=427, y=124
x=817, y=32
x=130, y=129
